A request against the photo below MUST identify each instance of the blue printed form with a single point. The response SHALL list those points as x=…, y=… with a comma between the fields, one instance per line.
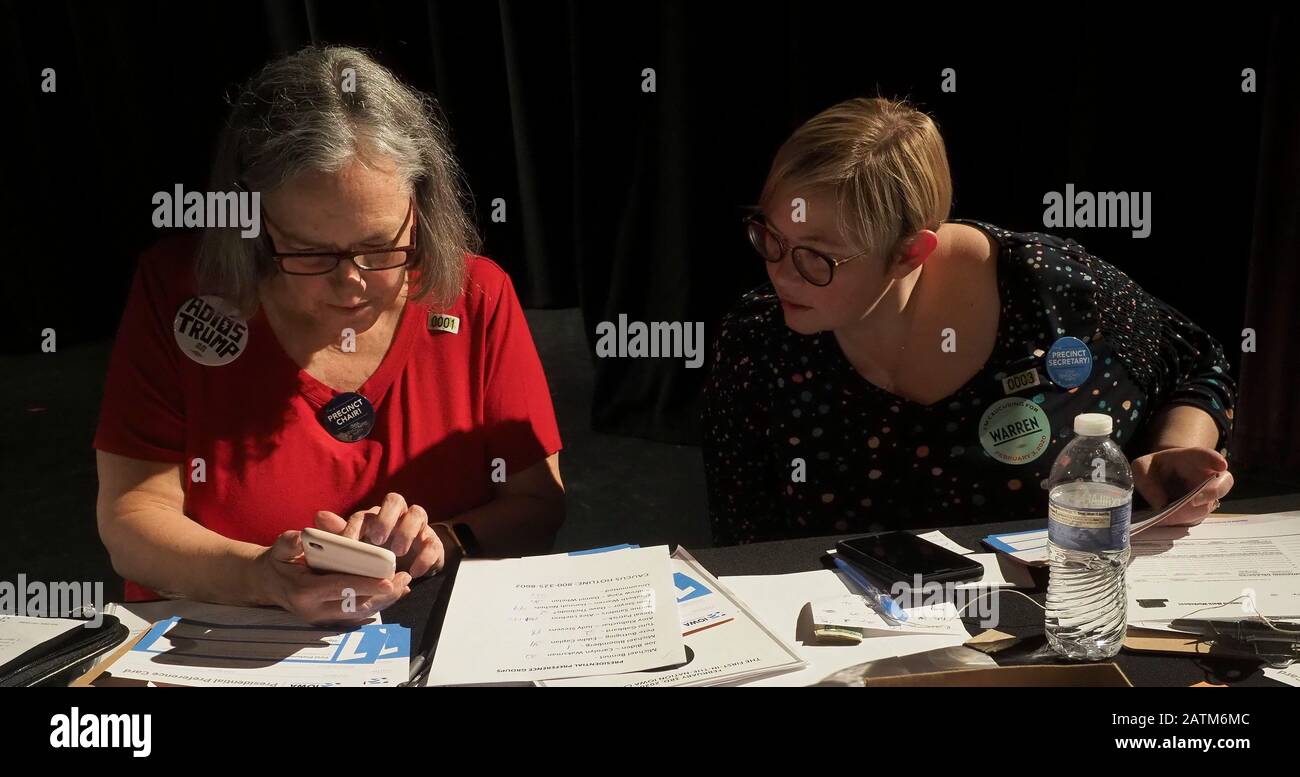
x=306, y=645
x=192, y=652
x=1028, y=547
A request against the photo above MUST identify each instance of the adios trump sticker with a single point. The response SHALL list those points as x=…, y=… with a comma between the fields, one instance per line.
x=1015, y=430
x=1069, y=362
x=209, y=332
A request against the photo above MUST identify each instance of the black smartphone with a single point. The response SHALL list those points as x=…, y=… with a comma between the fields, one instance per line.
x=899, y=556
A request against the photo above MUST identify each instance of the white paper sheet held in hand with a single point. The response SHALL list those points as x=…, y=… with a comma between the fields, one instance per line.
x=548, y=617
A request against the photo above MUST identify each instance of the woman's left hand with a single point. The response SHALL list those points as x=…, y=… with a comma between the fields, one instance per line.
x=402, y=528
x=1166, y=475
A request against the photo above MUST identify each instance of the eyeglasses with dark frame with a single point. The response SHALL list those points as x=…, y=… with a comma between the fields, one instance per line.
x=813, y=266
x=325, y=262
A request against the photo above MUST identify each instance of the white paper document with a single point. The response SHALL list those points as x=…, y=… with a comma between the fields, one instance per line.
x=944, y=541
x=20, y=633
x=725, y=643
x=1227, y=568
x=853, y=611
x=779, y=601
x=999, y=572
x=1290, y=675
x=551, y=617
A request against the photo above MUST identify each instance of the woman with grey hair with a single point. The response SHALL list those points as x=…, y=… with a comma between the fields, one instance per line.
x=348, y=356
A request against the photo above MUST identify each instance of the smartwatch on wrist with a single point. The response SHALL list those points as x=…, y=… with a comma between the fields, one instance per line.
x=462, y=536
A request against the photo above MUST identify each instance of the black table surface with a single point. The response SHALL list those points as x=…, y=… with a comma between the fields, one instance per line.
x=420, y=610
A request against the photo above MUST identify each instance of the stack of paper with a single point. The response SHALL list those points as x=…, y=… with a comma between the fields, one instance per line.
x=553, y=617
x=725, y=643
x=184, y=642
x=179, y=651
x=1228, y=568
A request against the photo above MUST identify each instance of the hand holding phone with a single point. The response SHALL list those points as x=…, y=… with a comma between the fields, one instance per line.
x=326, y=552
x=283, y=576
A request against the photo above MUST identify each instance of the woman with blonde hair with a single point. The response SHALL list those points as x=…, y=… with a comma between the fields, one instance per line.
x=351, y=365
x=902, y=369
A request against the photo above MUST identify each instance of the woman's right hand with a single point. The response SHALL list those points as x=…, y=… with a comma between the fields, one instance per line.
x=322, y=598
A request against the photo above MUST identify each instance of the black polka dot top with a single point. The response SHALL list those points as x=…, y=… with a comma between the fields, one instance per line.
x=797, y=443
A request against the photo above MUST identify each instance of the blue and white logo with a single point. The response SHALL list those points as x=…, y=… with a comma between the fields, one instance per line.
x=689, y=588
x=1069, y=362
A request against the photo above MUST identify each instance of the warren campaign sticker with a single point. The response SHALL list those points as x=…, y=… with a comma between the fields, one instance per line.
x=209, y=332
x=348, y=417
x=1069, y=362
x=1015, y=430
x=441, y=322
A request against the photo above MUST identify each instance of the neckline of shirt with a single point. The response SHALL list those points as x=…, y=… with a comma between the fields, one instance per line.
x=376, y=385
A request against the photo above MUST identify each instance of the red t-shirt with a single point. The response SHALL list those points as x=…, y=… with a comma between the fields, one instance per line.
x=446, y=406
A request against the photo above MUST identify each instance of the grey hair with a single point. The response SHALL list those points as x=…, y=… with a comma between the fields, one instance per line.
x=295, y=117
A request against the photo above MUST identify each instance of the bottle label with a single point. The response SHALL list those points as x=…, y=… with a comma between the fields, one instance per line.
x=1091, y=530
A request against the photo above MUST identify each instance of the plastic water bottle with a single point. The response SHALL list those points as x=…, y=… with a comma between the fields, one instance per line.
x=1090, y=501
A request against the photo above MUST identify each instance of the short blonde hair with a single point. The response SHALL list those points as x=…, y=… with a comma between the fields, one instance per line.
x=883, y=160
x=294, y=117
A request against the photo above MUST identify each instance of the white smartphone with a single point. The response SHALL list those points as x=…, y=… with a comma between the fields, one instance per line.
x=328, y=552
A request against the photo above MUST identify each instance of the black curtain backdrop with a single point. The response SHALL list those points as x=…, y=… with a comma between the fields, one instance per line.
x=621, y=201
x=1267, y=435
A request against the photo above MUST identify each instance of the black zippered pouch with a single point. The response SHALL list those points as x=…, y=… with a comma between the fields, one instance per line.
x=60, y=660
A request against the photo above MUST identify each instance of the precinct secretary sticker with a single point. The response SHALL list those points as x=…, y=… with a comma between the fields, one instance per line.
x=1069, y=362
x=1015, y=430
x=209, y=332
